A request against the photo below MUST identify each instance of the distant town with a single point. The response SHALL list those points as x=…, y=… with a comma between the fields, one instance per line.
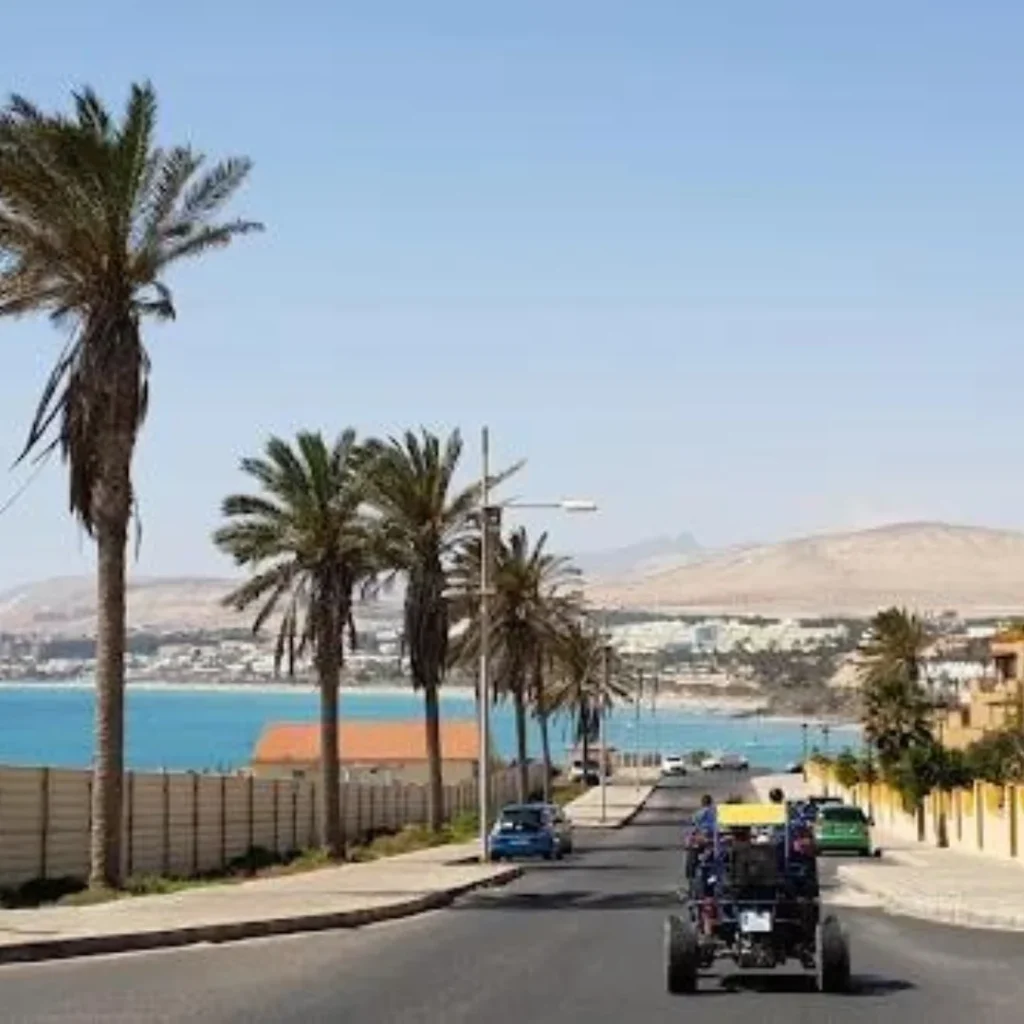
x=737, y=664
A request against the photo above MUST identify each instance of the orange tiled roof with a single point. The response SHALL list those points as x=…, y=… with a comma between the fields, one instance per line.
x=365, y=742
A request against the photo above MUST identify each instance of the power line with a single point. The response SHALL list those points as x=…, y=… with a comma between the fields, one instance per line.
x=25, y=484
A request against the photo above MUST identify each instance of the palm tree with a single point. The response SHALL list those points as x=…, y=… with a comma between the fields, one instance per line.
x=424, y=521
x=308, y=545
x=589, y=682
x=525, y=614
x=92, y=215
x=896, y=710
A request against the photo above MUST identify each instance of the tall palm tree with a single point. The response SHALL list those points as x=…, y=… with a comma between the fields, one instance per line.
x=308, y=545
x=423, y=521
x=590, y=680
x=524, y=617
x=92, y=215
x=896, y=710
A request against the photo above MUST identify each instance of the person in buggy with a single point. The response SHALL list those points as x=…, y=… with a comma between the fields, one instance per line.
x=699, y=847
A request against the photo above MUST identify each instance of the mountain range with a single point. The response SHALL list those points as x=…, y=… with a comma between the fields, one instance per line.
x=926, y=566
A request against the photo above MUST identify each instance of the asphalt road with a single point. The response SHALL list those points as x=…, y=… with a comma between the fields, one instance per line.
x=576, y=941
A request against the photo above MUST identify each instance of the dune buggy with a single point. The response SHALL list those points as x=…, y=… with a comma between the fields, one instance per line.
x=752, y=896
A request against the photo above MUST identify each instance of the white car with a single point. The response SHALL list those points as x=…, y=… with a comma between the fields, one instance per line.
x=734, y=763
x=725, y=763
x=672, y=764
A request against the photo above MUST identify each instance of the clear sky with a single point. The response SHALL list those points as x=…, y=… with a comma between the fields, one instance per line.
x=745, y=269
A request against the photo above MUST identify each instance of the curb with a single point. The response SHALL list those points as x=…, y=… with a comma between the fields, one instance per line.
x=187, y=935
x=937, y=910
x=620, y=822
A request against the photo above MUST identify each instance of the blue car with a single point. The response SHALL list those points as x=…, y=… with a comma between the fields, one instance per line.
x=524, y=830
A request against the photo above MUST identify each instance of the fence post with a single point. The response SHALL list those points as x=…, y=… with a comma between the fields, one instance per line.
x=312, y=814
x=276, y=796
x=250, y=812
x=295, y=817
x=195, y=823
x=165, y=817
x=1011, y=806
x=44, y=818
x=373, y=810
x=130, y=820
x=979, y=814
x=223, y=822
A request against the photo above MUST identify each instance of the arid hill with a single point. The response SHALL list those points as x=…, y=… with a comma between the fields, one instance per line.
x=926, y=566
x=67, y=606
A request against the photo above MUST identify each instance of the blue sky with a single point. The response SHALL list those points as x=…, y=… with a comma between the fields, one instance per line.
x=744, y=269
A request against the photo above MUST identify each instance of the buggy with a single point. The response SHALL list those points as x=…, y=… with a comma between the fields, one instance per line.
x=752, y=896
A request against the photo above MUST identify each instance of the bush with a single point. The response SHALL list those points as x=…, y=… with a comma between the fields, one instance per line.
x=847, y=769
x=998, y=757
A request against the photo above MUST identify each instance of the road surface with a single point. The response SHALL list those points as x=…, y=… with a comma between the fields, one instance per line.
x=576, y=941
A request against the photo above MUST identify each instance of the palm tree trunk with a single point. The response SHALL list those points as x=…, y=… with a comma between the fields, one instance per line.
x=523, y=769
x=545, y=744
x=330, y=809
x=432, y=717
x=108, y=768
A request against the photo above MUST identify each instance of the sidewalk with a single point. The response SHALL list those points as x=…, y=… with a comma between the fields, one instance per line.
x=342, y=897
x=622, y=803
x=919, y=880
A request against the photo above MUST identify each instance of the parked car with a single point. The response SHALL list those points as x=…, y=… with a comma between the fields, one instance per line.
x=591, y=776
x=734, y=763
x=524, y=830
x=795, y=767
x=842, y=829
x=725, y=762
x=673, y=764
x=562, y=824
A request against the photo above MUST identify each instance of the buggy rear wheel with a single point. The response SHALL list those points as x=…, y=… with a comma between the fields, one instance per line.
x=833, y=957
x=682, y=955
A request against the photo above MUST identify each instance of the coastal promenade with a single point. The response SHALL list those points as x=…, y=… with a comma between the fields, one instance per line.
x=575, y=940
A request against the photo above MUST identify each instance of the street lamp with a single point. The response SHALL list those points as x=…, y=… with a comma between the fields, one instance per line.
x=490, y=526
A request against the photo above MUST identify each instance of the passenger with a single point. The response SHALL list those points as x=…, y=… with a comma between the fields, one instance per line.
x=705, y=818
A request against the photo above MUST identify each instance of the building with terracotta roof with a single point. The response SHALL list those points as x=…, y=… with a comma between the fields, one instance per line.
x=367, y=751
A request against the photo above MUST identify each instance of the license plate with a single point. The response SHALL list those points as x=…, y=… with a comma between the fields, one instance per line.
x=758, y=921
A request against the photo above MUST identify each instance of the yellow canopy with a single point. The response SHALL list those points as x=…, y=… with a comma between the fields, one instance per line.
x=737, y=815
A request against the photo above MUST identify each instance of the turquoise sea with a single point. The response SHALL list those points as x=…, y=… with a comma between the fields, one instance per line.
x=182, y=727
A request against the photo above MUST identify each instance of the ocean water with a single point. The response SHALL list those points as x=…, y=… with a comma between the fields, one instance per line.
x=179, y=728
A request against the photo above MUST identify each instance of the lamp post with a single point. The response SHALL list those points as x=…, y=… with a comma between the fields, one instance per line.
x=490, y=529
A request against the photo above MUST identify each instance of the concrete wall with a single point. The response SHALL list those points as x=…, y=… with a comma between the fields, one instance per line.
x=983, y=819
x=187, y=824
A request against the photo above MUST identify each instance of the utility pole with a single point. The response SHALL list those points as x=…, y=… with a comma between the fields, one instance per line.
x=484, y=711
x=636, y=729
x=605, y=687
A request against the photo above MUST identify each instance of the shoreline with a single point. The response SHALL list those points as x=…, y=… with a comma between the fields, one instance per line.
x=733, y=708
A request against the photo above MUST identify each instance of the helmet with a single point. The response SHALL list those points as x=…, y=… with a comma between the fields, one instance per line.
x=776, y=796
